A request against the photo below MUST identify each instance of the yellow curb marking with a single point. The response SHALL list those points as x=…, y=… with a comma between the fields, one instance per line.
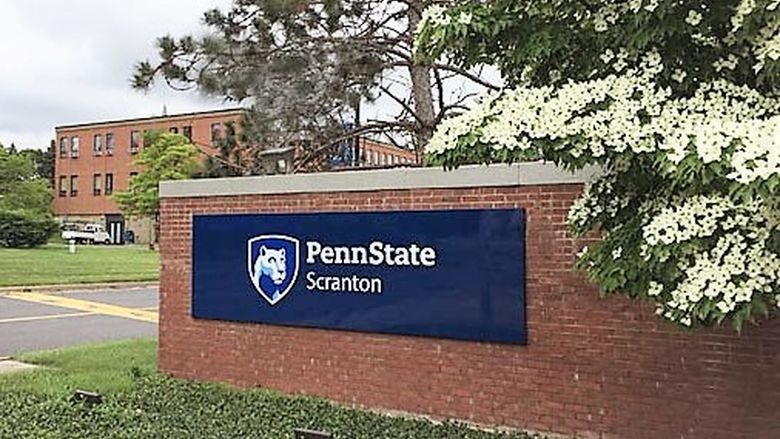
x=86, y=306
x=47, y=317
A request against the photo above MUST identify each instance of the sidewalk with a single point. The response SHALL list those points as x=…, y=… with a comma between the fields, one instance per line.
x=7, y=365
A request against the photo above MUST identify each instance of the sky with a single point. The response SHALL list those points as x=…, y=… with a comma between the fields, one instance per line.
x=71, y=62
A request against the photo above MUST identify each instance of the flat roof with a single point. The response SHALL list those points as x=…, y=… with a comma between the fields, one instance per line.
x=150, y=118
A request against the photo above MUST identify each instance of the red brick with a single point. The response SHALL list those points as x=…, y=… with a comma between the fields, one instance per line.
x=601, y=368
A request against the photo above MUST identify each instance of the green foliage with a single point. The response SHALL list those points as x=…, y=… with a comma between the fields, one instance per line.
x=676, y=103
x=21, y=188
x=25, y=202
x=105, y=368
x=158, y=406
x=142, y=404
x=43, y=161
x=19, y=228
x=166, y=156
x=305, y=68
x=553, y=41
x=231, y=159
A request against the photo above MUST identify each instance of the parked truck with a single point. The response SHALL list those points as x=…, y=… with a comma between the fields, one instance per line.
x=90, y=234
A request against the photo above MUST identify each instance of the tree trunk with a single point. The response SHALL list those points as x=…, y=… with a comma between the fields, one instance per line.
x=422, y=93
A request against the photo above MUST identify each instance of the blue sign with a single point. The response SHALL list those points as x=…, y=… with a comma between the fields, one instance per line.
x=456, y=274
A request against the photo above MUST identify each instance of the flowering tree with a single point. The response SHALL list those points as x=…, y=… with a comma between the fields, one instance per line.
x=677, y=102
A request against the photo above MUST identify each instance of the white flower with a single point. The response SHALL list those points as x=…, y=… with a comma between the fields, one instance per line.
x=655, y=288
x=465, y=18
x=693, y=18
x=600, y=25
x=607, y=56
x=679, y=75
x=616, y=253
x=744, y=9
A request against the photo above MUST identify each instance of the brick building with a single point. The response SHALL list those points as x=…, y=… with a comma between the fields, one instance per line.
x=94, y=160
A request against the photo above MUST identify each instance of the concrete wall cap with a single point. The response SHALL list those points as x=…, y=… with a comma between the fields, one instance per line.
x=519, y=174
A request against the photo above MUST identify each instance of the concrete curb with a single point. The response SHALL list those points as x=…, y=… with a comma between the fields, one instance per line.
x=8, y=365
x=78, y=287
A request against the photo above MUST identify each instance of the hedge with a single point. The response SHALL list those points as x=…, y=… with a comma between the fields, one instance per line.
x=21, y=229
x=161, y=407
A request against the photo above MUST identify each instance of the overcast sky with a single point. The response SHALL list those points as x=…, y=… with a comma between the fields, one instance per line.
x=69, y=62
x=65, y=62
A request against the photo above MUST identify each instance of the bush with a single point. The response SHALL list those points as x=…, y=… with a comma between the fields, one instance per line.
x=162, y=407
x=23, y=229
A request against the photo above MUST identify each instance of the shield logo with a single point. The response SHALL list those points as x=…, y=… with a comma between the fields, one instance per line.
x=272, y=263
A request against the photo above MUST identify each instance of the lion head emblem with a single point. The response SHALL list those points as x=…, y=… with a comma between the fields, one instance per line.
x=271, y=263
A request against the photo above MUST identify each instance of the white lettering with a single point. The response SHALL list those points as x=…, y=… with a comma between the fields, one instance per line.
x=359, y=255
x=326, y=255
x=377, y=253
x=343, y=284
x=313, y=248
x=342, y=255
x=428, y=257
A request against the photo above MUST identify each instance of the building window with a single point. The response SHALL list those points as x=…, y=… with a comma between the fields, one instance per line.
x=97, y=145
x=135, y=141
x=110, y=144
x=216, y=132
x=109, y=184
x=174, y=130
x=63, y=185
x=187, y=132
x=74, y=186
x=74, y=147
x=63, y=147
x=133, y=174
x=96, y=180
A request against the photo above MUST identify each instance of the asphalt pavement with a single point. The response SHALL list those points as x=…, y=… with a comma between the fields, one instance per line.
x=36, y=321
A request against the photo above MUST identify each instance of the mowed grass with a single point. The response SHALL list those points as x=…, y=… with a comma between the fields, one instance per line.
x=52, y=264
x=105, y=368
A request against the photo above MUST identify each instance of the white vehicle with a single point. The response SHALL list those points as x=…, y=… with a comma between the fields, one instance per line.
x=91, y=234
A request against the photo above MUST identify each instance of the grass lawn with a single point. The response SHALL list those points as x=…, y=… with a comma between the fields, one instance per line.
x=52, y=264
x=102, y=368
x=140, y=403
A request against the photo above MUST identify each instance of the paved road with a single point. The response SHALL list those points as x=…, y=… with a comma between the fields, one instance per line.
x=35, y=321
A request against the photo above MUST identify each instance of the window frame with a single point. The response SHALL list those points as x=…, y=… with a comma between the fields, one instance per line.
x=108, y=189
x=74, y=190
x=63, y=186
x=97, y=145
x=64, y=147
x=97, y=179
x=216, y=135
x=112, y=144
x=135, y=141
x=75, y=147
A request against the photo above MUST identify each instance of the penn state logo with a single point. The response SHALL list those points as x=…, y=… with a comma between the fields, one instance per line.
x=273, y=262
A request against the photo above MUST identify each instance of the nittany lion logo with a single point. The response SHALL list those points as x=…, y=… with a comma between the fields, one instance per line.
x=273, y=262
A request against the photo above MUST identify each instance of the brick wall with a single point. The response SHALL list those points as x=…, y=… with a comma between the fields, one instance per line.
x=592, y=367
